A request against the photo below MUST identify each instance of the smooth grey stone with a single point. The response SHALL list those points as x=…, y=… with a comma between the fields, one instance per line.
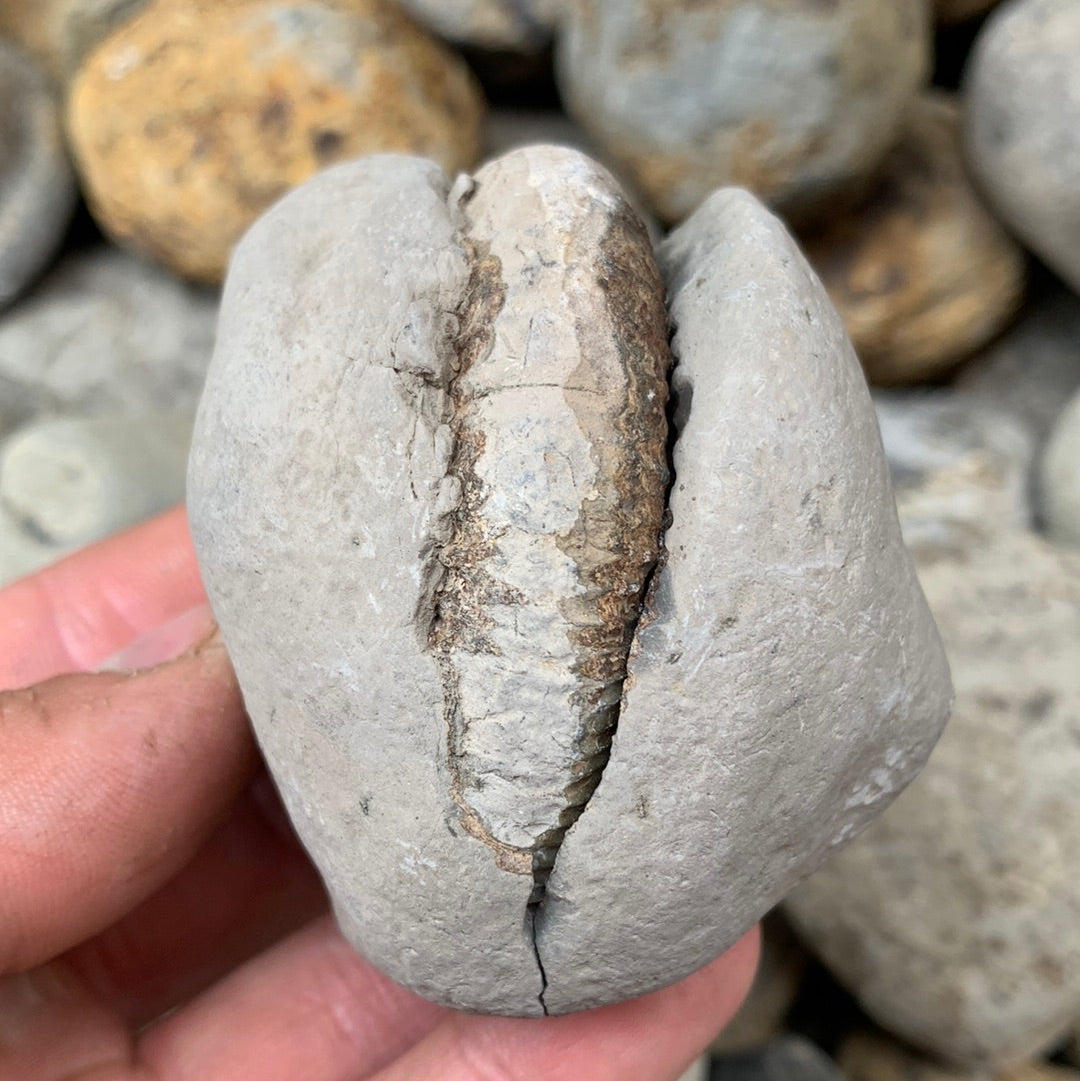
x=326, y=493
x=961, y=469
x=66, y=482
x=105, y=333
x=954, y=918
x=1022, y=98
x=1060, y=477
x=511, y=25
x=798, y=101
x=787, y=1058
x=37, y=186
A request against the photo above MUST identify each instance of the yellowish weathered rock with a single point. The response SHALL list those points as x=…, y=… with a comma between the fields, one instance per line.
x=922, y=274
x=192, y=118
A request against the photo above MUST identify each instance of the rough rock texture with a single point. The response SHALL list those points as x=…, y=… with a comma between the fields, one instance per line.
x=787, y=1058
x=956, y=11
x=797, y=101
x=512, y=25
x=953, y=919
x=873, y=1057
x=59, y=33
x=780, y=971
x=66, y=482
x=105, y=333
x=961, y=470
x=390, y=487
x=37, y=188
x=192, y=118
x=921, y=273
x=1022, y=94
x=1059, y=476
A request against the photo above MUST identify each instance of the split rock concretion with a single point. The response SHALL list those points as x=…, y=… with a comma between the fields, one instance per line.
x=543, y=762
x=193, y=117
x=799, y=101
x=37, y=188
x=1023, y=112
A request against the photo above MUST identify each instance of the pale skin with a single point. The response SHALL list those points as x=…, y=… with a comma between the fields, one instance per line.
x=146, y=866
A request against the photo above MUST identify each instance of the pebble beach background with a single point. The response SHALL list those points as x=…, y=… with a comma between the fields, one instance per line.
x=927, y=156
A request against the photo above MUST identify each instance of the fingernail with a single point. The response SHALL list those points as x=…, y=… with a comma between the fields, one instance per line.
x=164, y=642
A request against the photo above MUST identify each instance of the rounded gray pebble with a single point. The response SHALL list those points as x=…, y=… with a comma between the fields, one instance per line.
x=37, y=186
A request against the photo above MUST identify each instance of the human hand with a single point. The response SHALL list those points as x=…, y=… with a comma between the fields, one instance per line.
x=158, y=919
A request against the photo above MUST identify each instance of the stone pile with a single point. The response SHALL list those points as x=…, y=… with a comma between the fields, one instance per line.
x=945, y=225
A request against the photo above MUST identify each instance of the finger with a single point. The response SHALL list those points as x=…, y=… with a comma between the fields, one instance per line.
x=311, y=1008
x=653, y=1037
x=248, y=887
x=72, y=615
x=110, y=784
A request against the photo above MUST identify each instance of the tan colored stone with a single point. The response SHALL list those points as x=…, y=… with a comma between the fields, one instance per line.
x=192, y=118
x=958, y=11
x=922, y=274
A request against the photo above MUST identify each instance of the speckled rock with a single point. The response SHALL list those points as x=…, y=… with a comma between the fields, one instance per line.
x=1059, y=477
x=193, y=117
x=961, y=470
x=1022, y=96
x=787, y=1058
x=105, y=333
x=59, y=33
x=954, y=917
x=410, y=476
x=958, y=11
x=511, y=25
x=799, y=102
x=67, y=481
x=869, y=1056
x=37, y=189
x=921, y=273
x=780, y=971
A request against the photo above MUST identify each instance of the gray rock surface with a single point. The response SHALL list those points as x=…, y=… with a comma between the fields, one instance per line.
x=37, y=186
x=961, y=469
x=798, y=102
x=66, y=482
x=1022, y=92
x=512, y=25
x=1059, y=477
x=105, y=333
x=787, y=1058
x=387, y=501
x=954, y=917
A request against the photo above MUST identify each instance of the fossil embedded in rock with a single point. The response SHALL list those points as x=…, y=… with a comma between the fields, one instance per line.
x=542, y=761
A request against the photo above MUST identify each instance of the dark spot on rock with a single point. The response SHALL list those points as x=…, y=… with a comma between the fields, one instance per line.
x=274, y=117
x=1036, y=707
x=327, y=144
x=641, y=806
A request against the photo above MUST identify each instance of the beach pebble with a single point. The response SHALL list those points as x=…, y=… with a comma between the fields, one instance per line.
x=387, y=377
x=1059, y=477
x=799, y=102
x=779, y=974
x=787, y=1058
x=921, y=273
x=872, y=1056
x=105, y=333
x=954, y=917
x=961, y=470
x=504, y=25
x=1022, y=96
x=193, y=117
x=37, y=188
x=67, y=481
